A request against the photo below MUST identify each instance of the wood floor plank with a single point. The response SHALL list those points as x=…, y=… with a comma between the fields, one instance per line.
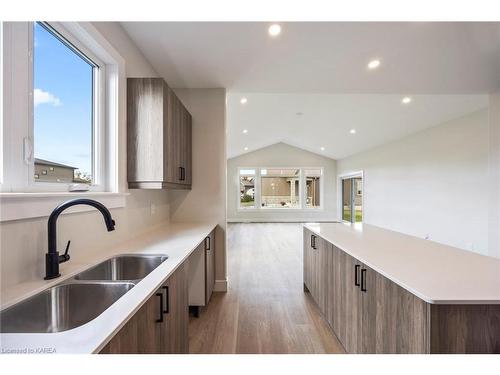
x=265, y=310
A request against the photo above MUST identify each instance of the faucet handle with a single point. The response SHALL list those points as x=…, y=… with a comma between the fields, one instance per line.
x=65, y=257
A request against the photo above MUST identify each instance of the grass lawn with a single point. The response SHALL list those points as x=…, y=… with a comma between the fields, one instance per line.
x=247, y=204
x=358, y=215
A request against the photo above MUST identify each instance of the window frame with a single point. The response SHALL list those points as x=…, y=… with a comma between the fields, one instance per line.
x=340, y=205
x=302, y=190
x=23, y=181
x=16, y=200
x=256, y=189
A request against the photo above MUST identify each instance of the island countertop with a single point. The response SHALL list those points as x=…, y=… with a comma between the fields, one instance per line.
x=176, y=240
x=436, y=273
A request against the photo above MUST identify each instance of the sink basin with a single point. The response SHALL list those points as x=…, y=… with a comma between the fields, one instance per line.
x=123, y=267
x=61, y=307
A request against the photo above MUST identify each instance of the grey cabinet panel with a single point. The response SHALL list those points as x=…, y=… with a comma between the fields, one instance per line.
x=158, y=136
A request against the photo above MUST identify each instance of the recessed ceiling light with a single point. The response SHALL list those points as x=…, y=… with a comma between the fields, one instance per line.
x=246, y=149
x=352, y=131
x=406, y=100
x=245, y=131
x=374, y=64
x=243, y=100
x=274, y=30
x=299, y=113
x=322, y=148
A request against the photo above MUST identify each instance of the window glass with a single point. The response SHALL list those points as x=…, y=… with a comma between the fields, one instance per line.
x=247, y=188
x=313, y=188
x=280, y=188
x=63, y=100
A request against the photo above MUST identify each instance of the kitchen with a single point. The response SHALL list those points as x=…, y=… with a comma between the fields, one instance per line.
x=346, y=201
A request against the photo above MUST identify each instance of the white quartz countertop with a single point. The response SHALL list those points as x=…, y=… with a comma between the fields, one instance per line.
x=177, y=240
x=436, y=273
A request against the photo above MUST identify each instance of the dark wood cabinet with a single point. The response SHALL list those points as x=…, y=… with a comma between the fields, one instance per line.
x=209, y=266
x=371, y=314
x=160, y=325
x=158, y=136
x=368, y=312
x=201, y=275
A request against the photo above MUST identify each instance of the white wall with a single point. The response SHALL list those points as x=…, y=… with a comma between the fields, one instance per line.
x=281, y=155
x=24, y=242
x=494, y=194
x=433, y=183
x=207, y=199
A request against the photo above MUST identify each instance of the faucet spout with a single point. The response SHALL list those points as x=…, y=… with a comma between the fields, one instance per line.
x=52, y=258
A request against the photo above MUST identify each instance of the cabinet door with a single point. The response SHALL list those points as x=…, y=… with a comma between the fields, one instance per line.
x=352, y=313
x=142, y=333
x=393, y=319
x=175, y=337
x=308, y=264
x=322, y=254
x=209, y=266
x=186, y=149
x=172, y=140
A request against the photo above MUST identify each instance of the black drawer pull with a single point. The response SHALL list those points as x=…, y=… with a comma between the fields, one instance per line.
x=356, y=272
x=160, y=319
x=363, y=280
x=207, y=243
x=167, y=300
x=313, y=241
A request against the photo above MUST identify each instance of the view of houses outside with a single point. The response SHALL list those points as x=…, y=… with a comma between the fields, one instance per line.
x=247, y=191
x=280, y=188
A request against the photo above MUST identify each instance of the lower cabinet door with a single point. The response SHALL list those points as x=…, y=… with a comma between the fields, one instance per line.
x=393, y=319
x=308, y=261
x=174, y=333
x=209, y=266
x=142, y=333
x=160, y=325
x=353, y=308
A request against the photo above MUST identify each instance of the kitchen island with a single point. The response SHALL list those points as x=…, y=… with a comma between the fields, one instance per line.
x=386, y=292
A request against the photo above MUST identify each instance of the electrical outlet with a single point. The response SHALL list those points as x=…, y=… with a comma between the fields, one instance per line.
x=153, y=209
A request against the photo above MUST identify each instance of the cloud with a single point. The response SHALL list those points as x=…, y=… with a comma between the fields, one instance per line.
x=45, y=97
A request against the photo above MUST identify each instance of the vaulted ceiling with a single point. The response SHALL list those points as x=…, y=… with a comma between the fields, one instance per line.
x=310, y=86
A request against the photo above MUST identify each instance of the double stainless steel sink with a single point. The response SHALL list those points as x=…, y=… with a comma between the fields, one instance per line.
x=80, y=299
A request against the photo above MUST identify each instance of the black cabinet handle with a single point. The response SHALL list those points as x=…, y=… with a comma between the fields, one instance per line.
x=363, y=280
x=313, y=241
x=356, y=273
x=181, y=174
x=167, y=302
x=207, y=243
x=160, y=319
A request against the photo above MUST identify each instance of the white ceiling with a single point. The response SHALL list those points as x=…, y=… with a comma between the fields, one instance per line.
x=320, y=69
x=327, y=119
x=418, y=58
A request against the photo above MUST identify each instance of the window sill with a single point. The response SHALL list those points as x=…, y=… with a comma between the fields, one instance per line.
x=18, y=206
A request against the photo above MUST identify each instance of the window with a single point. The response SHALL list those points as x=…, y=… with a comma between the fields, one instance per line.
x=64, y=106
x=59, y=117
x=313, y=188
x=247, y=188
x=280, y=188
x=352, y=198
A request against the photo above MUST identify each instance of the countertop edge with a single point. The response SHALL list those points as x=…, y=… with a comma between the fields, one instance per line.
x=432, y=301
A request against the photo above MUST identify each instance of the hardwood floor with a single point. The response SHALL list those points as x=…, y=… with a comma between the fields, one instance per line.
x=265, y=309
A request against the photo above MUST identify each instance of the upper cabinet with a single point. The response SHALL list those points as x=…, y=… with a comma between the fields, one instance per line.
x=159, y=136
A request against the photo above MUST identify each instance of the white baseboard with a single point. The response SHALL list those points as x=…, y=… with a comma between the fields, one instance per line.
x=220, y=286
x=282, y=220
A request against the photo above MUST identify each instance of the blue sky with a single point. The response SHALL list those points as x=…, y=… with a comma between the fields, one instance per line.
x=63, y=103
